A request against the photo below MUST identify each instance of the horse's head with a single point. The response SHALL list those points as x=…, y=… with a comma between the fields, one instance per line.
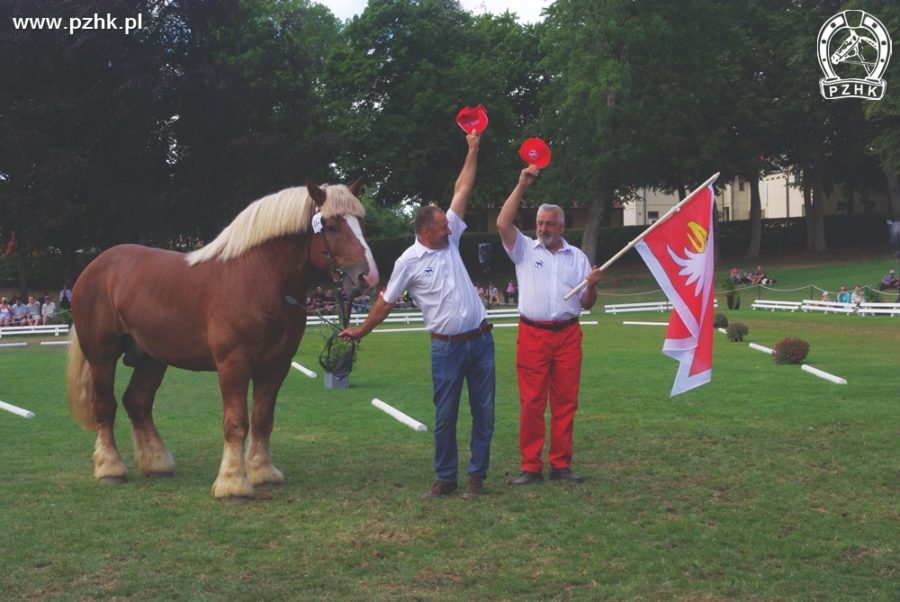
x=337, y=246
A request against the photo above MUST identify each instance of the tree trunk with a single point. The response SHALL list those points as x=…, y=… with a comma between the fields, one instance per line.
x=893, y=185
x=22, y=270
x=592, y=229
x=818, y=207
x=68, y=263
x=755, y=218
x=808, y=209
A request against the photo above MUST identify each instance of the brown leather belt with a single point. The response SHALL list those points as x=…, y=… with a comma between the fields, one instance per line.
x=554, y=326
x=465, y=336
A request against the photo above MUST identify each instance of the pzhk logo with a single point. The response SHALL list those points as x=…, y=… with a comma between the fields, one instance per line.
x=861, y=52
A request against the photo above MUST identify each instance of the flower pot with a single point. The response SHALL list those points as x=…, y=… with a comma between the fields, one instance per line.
x=333, y=381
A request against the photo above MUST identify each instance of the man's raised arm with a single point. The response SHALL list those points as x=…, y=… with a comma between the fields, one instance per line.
x=511, y=207
x=466, y=180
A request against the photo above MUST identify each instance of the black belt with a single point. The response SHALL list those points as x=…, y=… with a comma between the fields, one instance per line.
x=554, y=326
x=466, y=336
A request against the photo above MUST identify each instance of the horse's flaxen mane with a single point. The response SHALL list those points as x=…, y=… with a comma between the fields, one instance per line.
x=279, y=214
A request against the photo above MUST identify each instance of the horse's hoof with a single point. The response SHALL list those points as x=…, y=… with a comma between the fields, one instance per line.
x=235, y=500
x=113, y=480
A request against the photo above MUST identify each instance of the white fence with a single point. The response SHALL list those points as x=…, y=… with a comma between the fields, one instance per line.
x=54, y=329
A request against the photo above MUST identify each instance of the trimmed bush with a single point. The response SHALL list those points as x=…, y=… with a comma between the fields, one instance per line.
x=736, y=332
x=720, y=321
x=790, y=350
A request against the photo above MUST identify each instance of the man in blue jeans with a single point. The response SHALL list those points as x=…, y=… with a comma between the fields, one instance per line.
x=461, y=343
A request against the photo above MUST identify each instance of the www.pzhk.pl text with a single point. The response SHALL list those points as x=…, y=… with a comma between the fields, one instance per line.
x=95, y=22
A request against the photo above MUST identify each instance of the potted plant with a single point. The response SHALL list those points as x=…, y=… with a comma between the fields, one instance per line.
x=337, y=360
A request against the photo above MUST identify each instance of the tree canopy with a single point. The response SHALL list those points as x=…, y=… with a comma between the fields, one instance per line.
x=162, y=135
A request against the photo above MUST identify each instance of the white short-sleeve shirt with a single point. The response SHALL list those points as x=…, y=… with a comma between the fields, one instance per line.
x=438, y=282
x=544, y=278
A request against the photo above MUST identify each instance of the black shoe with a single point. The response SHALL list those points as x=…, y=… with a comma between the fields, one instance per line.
x=474, y=488
x=565, y=474
x=440, y=488
x=527, y=478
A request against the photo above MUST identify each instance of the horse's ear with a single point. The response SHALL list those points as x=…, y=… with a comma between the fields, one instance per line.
x=317, y=194
x=355, y=186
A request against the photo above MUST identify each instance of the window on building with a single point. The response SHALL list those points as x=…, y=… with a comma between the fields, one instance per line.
x=652, y=216
x=741, y=184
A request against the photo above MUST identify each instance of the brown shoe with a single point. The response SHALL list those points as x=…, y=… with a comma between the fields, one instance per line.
x=565, y=474
x=528, y=478
x=440, y=488
x=474, y=488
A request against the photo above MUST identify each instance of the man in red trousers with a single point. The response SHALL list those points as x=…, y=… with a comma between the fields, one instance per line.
x=548, y=351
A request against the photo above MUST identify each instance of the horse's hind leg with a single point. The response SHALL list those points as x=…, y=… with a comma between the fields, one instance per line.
x=108, y=465
x=150, y=453
x=260, y=470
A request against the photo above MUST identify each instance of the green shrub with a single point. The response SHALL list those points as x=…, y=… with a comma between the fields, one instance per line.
x=736, y=331
x=871, y=295
x=720, y=321
x=790, y=350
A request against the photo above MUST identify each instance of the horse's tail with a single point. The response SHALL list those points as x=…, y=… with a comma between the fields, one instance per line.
x=78, y=384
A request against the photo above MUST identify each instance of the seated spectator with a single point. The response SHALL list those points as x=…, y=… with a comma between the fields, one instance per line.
x=757, y=276
x=5, y=312
x=510, y=292
x=65, y=297
x=843, y=295
x=890, y=281
x=329, y=303
x=361, y=303
x=857, y=297
x=33, y=311
x=493, y=295
x=316, y=300
x=48, y=310
x=825, y=296
x=19, y=313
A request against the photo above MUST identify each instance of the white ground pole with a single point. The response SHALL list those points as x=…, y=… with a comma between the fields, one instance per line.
x=628, y=323
x=16, y=410
x=56, y=342
x=13, y=344
x=822, y=374
x=761, y=348
x=723, y=331
x=400, y=416
x=304, y=370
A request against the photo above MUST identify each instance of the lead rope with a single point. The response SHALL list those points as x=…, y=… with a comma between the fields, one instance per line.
x=339, y=363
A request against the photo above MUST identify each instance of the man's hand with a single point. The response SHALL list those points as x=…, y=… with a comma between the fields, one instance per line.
x=595, y=276
x=353, y=333
x=473, y=140
x=528, y=176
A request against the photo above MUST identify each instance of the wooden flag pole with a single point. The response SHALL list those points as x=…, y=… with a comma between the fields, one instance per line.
x=652, y=227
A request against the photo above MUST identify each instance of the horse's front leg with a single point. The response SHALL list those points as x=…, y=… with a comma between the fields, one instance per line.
x=260, y=470
x=232, y=483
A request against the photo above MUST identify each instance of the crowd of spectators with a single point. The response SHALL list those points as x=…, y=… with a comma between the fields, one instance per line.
x=29, y=311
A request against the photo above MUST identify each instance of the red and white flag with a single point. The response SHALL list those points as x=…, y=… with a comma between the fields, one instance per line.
x=680, y=255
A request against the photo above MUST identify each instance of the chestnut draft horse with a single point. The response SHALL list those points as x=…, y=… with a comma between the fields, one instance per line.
x=230, y=307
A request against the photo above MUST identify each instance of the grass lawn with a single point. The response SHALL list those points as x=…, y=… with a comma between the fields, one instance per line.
x=766, y=484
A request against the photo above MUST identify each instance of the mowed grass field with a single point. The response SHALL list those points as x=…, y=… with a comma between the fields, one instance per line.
x=766, y=484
